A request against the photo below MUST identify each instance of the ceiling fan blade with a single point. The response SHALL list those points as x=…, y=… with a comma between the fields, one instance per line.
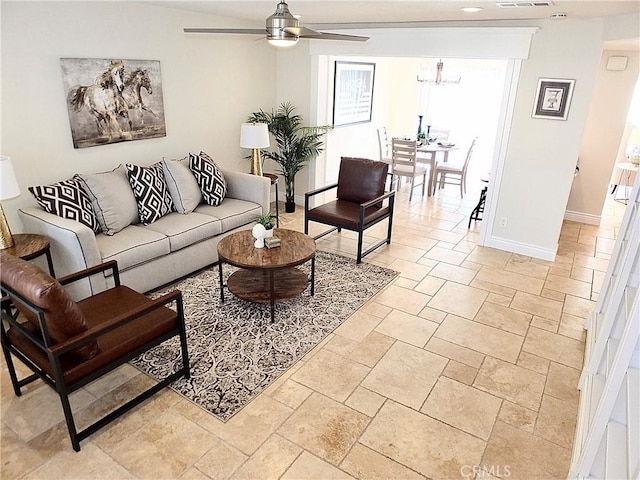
x=250, y=31
x=336, y=36
x=304, y=32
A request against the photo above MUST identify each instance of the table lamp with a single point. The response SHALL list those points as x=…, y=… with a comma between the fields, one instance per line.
x=254, y=136
x=633, y=146
x=8, y=189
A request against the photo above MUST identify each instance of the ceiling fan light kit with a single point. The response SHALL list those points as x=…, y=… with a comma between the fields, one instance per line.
x=277, y=25
x=282, y=30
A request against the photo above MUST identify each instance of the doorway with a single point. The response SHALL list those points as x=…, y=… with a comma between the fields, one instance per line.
x=477, y=106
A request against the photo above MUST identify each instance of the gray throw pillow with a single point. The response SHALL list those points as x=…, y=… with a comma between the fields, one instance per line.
x=111, y=198
x=182, y=185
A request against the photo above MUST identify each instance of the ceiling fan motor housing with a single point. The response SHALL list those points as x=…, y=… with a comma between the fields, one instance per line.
x=280, y=20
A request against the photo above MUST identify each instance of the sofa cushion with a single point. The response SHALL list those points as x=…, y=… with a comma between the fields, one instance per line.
x=111, y=198
x=233, y=213
x=185, y=230
x=209, y=177
x=182, y=185
x=67, y=199
x=150, y=190
x=132, y=246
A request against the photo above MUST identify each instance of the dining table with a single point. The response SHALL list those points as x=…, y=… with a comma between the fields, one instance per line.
x=428, y=153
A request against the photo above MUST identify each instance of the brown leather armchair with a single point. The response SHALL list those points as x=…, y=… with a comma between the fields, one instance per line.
x=69, y=344
x=359, y=204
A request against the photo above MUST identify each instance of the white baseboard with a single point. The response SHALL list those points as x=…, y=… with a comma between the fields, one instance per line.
x=582, y=217
x=521, y=248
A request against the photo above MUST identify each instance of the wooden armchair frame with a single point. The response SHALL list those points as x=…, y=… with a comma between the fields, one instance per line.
x=55, y=351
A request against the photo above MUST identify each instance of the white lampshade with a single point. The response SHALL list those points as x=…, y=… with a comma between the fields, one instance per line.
x=634, y=138
x=254, y=135
x=633, y=146
x=8, y=182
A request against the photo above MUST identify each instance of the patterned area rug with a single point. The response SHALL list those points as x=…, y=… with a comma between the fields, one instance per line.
x=236, y=352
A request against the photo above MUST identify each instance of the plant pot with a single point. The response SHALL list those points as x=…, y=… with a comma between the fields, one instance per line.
x=289, y=206
x=268, y=233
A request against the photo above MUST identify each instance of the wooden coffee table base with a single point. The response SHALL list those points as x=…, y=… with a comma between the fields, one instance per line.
x=268, y=286
x=255, y=285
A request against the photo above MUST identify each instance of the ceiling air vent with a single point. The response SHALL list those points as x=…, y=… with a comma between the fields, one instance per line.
x=524, y=4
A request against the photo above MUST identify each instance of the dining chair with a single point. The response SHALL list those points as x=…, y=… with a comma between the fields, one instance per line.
x=383, y=145
x=452, y=173
x=438, y=134
x=404, y=155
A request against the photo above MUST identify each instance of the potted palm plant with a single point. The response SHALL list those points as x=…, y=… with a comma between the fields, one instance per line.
x=296, y=144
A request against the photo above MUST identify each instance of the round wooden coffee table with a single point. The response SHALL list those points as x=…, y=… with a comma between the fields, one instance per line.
x=267, y=274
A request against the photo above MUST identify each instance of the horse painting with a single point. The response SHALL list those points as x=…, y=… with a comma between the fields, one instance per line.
x=133, y=84
x=104, y=99
x=113, y=100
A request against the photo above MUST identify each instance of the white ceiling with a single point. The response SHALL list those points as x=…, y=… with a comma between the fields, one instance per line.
x=357, y=11
x=326, y=14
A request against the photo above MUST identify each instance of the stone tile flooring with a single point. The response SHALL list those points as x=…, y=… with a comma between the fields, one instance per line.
x=465, y=367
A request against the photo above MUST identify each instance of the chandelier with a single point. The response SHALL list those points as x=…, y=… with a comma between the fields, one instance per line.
x=422, y=76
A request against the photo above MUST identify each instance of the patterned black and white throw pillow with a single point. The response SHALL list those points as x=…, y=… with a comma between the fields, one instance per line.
x=66, y=199
x=151, y=192
x=209, y=177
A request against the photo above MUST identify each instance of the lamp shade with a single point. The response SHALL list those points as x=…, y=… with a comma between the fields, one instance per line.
x=633, y=146
x=254, y=135
x=8, y=182
x=634, y=138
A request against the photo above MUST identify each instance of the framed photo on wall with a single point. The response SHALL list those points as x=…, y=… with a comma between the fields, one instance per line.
x=553, y=98
x=352, y=92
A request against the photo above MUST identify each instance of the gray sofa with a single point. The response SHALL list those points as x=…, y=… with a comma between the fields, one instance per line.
x=152, y=255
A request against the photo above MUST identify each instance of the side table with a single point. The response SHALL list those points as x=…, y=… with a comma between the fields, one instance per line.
x=626, y=169
x=29, y=246
x=274, y=181
x=476, y=213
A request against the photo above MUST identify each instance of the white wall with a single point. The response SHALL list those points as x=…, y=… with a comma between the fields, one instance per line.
x=210, y=85
x=541, y=153
x=602, y=136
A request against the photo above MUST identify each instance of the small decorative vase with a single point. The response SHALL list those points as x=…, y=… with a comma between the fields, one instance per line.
x=258, y=233
x=268, y=233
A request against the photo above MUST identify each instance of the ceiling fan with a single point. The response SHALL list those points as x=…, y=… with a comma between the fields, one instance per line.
x=282, y=30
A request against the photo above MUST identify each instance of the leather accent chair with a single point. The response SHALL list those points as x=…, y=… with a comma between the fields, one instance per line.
x=360, y=201
x=69, y=344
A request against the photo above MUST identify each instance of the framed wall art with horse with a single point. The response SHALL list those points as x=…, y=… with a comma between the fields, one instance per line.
x=111, y=100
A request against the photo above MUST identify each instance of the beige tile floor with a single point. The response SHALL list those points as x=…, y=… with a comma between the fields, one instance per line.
x=464, y=367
